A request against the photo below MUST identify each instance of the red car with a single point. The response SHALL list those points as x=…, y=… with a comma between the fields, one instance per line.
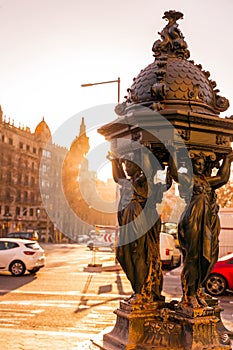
x=221, y=276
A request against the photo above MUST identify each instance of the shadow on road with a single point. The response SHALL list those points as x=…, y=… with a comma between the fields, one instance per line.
x=82, y=306
x=8, y=283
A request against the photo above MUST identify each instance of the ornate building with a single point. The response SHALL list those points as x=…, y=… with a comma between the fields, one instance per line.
x=89, y=198
x=21, y=205
x=39, y=183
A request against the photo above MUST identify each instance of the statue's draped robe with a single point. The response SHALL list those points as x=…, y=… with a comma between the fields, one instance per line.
x=198, y=233
x=138, y=244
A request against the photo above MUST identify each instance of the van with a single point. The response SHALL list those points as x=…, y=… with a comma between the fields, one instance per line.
x=169, y=251
x=32, y=235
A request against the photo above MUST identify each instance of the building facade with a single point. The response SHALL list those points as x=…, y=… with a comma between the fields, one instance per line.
x=21, y=203
x=32, y=182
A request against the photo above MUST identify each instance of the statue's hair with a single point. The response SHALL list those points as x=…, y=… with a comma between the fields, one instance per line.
x=200, y=155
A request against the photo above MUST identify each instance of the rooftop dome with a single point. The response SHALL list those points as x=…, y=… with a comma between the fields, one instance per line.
x=172, y=81
x=42, y=131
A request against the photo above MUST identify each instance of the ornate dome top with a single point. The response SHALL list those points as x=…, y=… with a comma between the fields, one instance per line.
x=172, y=81
x=42, y=130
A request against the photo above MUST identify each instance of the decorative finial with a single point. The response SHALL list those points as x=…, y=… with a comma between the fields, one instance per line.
x=172, y=42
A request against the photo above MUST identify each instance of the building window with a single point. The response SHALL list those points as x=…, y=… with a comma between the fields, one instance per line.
x=32, y=197
x=32, y=181
x=10, y=141
x=44, y=168
x=18, y=196
x=19, y=179
x=34, y=150
x=33, y=166
x=17, y=211
x=31, y=212
x=3, y=138
x=26, y=180
x=21, y=145
x=25, y=211
x=45, y=183
x=8, y=178
x=46, y=153
x=7, y=209
x=28, y=148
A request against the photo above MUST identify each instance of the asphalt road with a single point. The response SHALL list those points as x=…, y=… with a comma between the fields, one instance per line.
x=69, y=301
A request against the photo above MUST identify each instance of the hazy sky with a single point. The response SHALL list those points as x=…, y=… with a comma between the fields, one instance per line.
x=50, y=47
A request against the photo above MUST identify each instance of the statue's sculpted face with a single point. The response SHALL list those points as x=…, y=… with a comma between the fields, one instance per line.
x=198, y=166
x=131, y=168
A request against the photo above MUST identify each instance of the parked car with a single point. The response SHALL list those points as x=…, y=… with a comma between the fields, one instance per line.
x=169, y=251
x=221, y=276
x=32, y=235
x=18, y=255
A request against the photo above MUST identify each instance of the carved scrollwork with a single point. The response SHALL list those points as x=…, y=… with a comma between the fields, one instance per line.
x=132, y=96
x=204, y=154
x=184, y=134
x=221, y=140
x=157, y=106
x=120, y=108
x=158, y=91
x=135, y=136
x=222, y=103
x=195, y=93
x=162, y=334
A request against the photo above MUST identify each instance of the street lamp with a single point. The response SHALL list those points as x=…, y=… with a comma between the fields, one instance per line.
x=118, y=81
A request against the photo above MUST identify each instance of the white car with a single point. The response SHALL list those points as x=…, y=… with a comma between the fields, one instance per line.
x=169, y=251
x=18, y=255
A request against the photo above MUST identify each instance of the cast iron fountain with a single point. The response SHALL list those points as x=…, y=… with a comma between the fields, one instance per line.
x=170, y=119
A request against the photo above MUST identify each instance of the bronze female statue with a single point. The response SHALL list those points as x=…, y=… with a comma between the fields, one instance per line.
x=198, y=228
x=138, y=244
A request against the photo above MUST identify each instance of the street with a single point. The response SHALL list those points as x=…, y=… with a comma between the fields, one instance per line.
x=69, y=301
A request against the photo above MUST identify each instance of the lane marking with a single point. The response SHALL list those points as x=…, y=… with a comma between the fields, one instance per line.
x=69, y=293
x=71, y=333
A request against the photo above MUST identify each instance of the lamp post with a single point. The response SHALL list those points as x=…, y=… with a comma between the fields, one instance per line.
x=118, y=81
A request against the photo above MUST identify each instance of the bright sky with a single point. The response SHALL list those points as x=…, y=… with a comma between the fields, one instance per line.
x=50, y=47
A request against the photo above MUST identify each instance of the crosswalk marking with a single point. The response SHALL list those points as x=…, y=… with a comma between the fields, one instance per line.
x=12, y=315
x=11, y=318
